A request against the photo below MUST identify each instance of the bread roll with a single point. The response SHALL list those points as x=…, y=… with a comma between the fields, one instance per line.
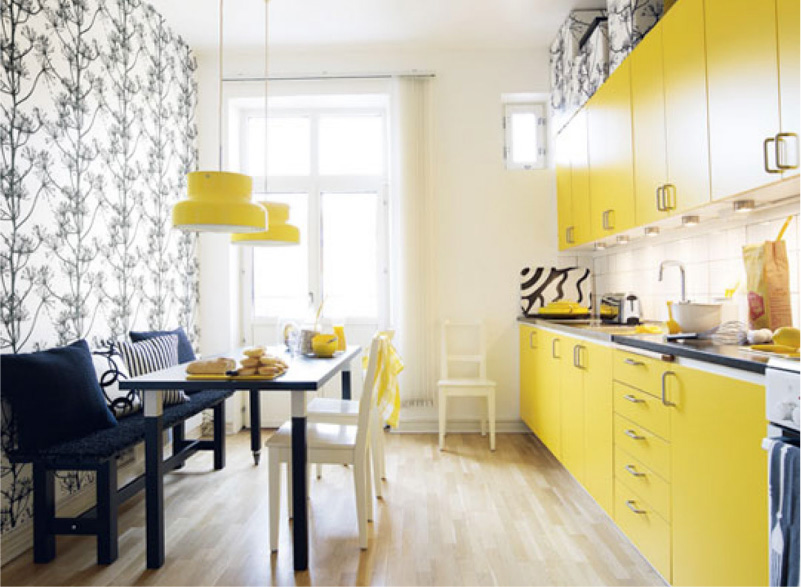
x=250, y=362
x=211, y=366
x=247, y=371
x=269, y=360
x=255, y=352
x=273, y=371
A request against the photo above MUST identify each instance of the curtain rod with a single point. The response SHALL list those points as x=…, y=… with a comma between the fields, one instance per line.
x=297, y=78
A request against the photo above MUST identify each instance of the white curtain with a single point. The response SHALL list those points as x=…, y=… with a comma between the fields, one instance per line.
x=413, y=277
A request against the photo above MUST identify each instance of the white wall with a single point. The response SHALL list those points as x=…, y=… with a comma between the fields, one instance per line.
x=490, y=222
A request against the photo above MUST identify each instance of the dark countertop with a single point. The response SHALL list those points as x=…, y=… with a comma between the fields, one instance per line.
x=699, y=350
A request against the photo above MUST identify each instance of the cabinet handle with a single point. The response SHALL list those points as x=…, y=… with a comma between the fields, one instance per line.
x=632, y=399
x=581, y=365
x=553, y=348
x=575, y=356
x=633, y=363
x=630, y=504
x=659, y=206
x=780, y=151
x=633, y=435
x=766, y=155
x=670, y=197
x=608, y=225
x=569, y=235
x=531, y=336
x=631, y=470
x=665, y=401
x=603, y=220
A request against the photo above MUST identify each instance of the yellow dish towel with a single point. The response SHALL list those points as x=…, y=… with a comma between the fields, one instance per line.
x=387, y=390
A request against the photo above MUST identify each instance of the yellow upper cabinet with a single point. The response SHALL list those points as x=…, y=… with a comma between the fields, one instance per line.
x=610, y=155
x=648, y=124
x=686, y=135
x=564, y=200
x=743, y=85
x=787, y=15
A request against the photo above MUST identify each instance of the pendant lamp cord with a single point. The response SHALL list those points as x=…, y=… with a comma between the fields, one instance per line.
x=266, y=86
x=220, y=95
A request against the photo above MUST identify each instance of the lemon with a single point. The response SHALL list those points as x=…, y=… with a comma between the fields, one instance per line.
x=787, y=336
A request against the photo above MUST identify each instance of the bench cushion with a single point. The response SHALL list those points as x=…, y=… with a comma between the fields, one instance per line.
x=54, y=395
x=185, y=351
x=130, y=431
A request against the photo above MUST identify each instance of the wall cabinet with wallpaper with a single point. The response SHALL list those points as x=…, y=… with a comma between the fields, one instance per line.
x=704, y=108
x=672, y=453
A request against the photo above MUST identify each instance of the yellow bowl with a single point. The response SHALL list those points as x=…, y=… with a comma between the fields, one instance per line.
x=325, y=345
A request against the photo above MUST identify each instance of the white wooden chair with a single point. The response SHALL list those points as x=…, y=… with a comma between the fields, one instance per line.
x=341, y=411
x=454, y=385
x=329, y=444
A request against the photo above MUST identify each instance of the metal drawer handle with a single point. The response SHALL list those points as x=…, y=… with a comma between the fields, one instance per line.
x=553, y=348
x=659, y=205
x=633, y=435
x=665, y=401
x=634, y=363
x=630, y=469
x=635, y=400
x=780, y=151
x=671, y=200
x=531, y=336
x=630, y=504
x=766, y=155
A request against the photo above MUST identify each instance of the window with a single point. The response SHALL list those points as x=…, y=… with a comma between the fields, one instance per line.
x=329, y=164
x=525, y=138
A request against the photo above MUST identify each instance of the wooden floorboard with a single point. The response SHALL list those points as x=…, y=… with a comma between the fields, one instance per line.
x=465, y=516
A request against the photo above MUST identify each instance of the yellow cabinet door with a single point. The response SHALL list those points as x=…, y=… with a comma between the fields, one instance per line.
x=564, y=202
x=528, y=348
x=648, y=125
x=719, y=480
x=787, y=18
x=572, y=409
x=686, y=134
x=610, y=155
x=743, y=85
x=596, y=362
x=548, y=380
x=580, y=178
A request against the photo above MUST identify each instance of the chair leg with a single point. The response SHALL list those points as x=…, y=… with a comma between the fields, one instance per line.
x=491, y=417
x=107, y=512
x=361, y=500
x=219, y=436
x=44, y=510
x=483, y=426
x=275, y=496
x=380, y=456
x=375, y=440
x=289, y=488
x=368, y=486
x=443, y=415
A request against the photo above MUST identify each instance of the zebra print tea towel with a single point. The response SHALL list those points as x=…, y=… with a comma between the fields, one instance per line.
x=541, y=285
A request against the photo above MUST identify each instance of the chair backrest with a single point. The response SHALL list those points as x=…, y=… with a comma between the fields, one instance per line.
x=471, y=350
x=366, y=403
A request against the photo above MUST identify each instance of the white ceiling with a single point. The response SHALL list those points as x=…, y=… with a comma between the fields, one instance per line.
x=420, y=24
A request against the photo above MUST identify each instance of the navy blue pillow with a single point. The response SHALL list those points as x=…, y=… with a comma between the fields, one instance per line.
x=185, y=351
x=54, y=395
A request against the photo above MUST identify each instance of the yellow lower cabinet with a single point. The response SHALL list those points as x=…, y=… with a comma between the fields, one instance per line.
x=572, y=409
x=548, y=384
x=649, y=532
x=598, y=428
x=642, y=408
x=719, y=480
x=644, y=482
x=528, y=357
x=643, y=445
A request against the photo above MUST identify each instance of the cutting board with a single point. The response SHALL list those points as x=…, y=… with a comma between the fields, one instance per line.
x=232, y=377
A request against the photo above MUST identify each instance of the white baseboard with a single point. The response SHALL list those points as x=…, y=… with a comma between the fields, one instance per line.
x=428, y=426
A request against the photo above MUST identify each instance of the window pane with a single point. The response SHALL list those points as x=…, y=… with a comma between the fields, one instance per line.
x=281, y=273
x=524, y=137
x=350, y=250
x=289, y=145
x=351, y=145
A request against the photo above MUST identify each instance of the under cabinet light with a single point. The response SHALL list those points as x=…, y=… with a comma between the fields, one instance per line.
x=651, y=231
x=623, y=240
x=744, y=206
x=691, y=220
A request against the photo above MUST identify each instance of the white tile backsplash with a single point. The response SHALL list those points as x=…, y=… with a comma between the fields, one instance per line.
x=712, y=259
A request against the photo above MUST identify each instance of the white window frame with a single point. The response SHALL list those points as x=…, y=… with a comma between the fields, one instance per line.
x=539, y=110
x=315, y=185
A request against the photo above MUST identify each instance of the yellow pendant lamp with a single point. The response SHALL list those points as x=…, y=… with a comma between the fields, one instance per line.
x=279, y=232
x=218, y=201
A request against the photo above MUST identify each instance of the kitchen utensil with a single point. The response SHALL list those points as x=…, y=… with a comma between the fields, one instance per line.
x=696, y=317
x=732, y=332
x=672, y=325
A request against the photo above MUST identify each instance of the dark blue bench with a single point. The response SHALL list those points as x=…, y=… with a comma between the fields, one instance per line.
x=99, y=452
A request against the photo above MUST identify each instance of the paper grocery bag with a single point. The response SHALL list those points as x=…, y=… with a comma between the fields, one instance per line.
x=768, y=274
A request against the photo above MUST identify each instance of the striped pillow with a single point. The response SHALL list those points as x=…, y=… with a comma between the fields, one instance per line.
x=150, y=355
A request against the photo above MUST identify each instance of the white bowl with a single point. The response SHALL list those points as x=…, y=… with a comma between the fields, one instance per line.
x=694, y=317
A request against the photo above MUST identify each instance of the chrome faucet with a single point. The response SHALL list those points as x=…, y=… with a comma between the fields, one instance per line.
x=680, y=265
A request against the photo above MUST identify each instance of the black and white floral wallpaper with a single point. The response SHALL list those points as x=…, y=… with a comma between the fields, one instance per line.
x=97, y=128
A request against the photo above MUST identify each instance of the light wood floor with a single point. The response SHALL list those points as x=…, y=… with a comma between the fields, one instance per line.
x=461, y=517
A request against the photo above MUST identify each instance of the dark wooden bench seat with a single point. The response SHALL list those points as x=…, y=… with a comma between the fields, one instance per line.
x=99, y=452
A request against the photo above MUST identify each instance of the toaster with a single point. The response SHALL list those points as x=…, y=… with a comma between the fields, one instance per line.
x=621, y=308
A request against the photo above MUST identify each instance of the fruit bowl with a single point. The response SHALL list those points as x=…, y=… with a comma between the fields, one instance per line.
x=325, y=345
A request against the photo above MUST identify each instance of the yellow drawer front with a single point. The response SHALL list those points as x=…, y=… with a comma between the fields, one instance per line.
x=638, y=371
x=642, y=408
x=643, y=481
x=643, y=445
x=644, y=527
